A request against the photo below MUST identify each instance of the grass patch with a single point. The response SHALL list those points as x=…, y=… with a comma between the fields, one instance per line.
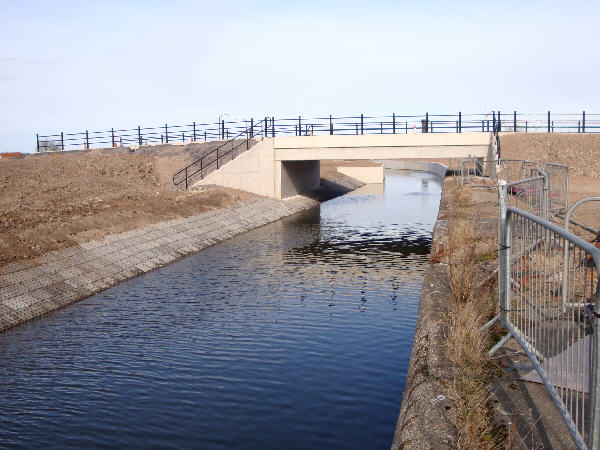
x=467, y=345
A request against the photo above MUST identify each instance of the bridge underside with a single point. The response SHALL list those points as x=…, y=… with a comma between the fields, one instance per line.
x=287, y=166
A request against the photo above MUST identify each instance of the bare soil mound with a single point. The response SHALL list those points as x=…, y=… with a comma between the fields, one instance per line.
x=55, y=200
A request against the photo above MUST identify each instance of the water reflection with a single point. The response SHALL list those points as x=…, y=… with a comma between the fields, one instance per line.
x=296, y=334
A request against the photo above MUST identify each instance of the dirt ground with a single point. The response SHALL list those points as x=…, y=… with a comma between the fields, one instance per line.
x=56, y=200
x=578, y=151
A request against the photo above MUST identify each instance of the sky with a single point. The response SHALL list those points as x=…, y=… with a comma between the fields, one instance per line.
x=76, y=65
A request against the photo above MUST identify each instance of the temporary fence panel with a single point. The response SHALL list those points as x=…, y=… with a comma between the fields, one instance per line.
x=558, y=186
x=536, y=278
x=529, y=195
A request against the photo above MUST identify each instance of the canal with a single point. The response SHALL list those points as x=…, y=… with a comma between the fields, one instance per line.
x=296, y=335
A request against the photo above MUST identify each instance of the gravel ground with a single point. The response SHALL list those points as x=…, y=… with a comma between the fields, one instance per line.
x=578, y=151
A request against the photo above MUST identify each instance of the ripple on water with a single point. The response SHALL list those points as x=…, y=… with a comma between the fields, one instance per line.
x=297, y=334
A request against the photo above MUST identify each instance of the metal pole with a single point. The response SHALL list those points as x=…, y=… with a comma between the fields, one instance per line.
x=194, y=138
x=459, y=122
x=499, y=122
x=204, y=135
x=426, y=124
x=223, y=128
x=186, y=179
x=139, y=135
x=299, y=126
x=482, y=126
x=526, y=122
x=251, y=127
x=494, y=121
x=583, y=123
x=272, y=126
x=548, y=121
x=37, y=139
x=330, y=125
x=87, y=140
x=266, y=128
x=579, y=126
x=361, y=124
x=112, y=133
x=166, y=133
x=394, y=123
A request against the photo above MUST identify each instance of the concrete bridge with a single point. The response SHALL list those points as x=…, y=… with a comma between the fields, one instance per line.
x=281, y=167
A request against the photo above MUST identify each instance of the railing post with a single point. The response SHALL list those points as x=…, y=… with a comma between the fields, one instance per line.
x=482, y=125
x=186, y=178
x=406, y=127
x=299, y=126
x=380, y=127
x=356, y=126
x=548, y=121
x=504, y=274
x=272, y=126
x=583, y=123
x=514, y=121
x=251, y=127
x=553, y=126
x=494, y=121
x=87, y=140
x=526, y=123
x=112, y=133
x=330, y=125
x=162, y=138
x=223, y=129
x=37, y=139
x=204, y=135
x=194, y=132
x=266, y=128
x=166, y=133
x=394, y=123
x=594, y=433
x=139, y=135
x=459, y=122
x=426, y=124
x=362, y=124
x=499, y=122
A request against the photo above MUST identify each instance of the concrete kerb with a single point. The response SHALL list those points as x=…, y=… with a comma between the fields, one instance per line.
x=56, y=279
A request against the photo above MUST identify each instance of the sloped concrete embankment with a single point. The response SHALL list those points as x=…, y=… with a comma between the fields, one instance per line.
x=62, y=277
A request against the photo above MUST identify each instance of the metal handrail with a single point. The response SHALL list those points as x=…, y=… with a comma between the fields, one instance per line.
x=249, y=134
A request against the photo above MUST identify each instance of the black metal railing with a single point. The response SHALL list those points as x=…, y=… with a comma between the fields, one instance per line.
x=360, y=124
x=223, y=153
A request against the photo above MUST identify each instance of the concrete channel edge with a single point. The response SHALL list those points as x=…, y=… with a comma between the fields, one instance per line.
x=424, y=420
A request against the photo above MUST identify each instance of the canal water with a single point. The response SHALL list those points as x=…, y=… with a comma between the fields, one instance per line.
x=295, y=335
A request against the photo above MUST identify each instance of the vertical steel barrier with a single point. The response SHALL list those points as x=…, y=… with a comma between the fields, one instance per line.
x=558, y=178
x=562, y=347
x=530, y=195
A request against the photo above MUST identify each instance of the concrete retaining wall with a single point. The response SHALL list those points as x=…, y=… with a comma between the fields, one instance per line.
x=62, y=277
x=420, y=166
x=425, y=420
x=367, y=175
